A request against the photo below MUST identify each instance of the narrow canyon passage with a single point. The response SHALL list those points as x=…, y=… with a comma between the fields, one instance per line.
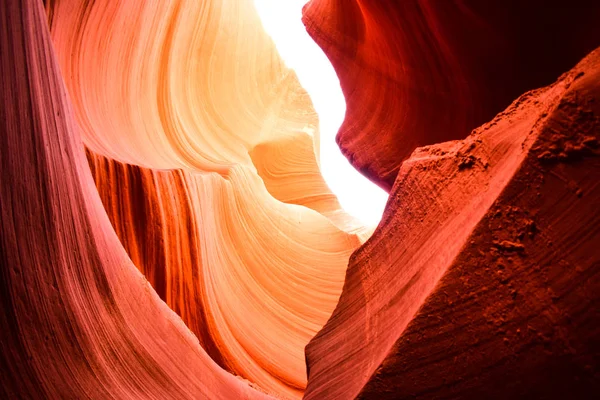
x=282, y=20
x=284, y=199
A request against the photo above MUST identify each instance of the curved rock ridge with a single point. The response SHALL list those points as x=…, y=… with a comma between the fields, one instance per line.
x=289, y=169
x=175, y=84
x=419, y=72
x=203, y=148
x=78, y=320
x=254, y=278
x=202, y=87
x=490, y=289
x=180, y=84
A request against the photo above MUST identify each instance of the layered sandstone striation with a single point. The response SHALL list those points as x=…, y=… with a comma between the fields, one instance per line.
x=203, y=145
x=482, y=279
x=253, y=278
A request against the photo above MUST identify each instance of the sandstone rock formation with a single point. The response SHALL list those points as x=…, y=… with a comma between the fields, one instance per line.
x=490, y=287
x=167, y=232
x=181, y=145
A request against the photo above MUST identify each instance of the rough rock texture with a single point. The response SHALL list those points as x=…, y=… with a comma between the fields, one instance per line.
x=78, y=320
x=482, y=280
x=419, y=72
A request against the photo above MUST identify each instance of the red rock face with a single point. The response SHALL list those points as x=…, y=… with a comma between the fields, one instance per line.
x=165, y=230
x=420, y=72
x=481, y=279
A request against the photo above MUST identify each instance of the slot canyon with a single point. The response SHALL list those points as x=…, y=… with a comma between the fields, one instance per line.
x=288, y=199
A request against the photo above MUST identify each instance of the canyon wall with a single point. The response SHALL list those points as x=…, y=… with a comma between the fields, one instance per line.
x=166, y=230
x=482, y=279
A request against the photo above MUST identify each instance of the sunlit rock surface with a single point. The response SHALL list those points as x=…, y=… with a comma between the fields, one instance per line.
x=183, y=111
x=169, y=229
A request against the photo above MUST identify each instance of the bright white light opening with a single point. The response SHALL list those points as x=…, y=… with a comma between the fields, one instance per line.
x=282, y=20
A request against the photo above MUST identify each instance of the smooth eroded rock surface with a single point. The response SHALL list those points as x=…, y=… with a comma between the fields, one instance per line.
x=420, y=72
x=202, y=146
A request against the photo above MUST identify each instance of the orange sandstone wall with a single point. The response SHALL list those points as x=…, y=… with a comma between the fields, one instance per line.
x=202, y=147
